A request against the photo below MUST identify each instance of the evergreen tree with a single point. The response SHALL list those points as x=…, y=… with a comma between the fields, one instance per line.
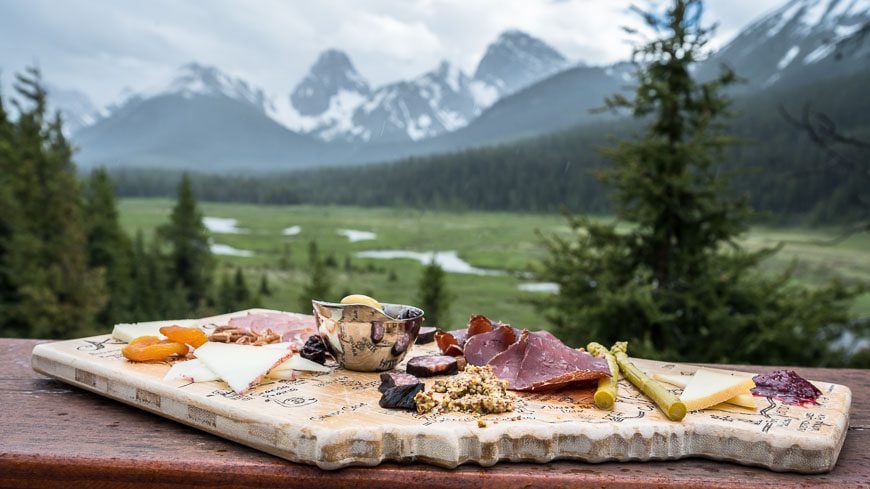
x=8, y=220
x=191, y=261
x=264, y=290
x=54, y=294
x=674, y=281
x=225, y=295
x=143, y=295
x=433, y=296
x=284, y=262
x=318, y=279
x=241, y=293
x=109, y=248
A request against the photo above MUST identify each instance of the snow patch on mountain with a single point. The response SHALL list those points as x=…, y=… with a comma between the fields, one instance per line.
x=788, y=58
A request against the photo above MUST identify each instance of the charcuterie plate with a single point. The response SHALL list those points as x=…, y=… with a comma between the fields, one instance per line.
x=333, y=419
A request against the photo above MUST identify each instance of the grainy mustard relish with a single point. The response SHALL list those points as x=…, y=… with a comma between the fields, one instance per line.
x=476, y=390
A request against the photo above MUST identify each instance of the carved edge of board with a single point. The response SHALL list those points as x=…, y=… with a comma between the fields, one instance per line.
x=440, y=446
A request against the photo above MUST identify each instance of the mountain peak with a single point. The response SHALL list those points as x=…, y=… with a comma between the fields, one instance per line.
x=515, y=60
x=800, y=35
x=192, y=79
x=331, y=73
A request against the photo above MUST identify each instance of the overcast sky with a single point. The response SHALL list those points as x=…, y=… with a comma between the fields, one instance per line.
x=101, y=47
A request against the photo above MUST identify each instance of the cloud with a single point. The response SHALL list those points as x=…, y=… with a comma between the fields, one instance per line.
x=100, y=46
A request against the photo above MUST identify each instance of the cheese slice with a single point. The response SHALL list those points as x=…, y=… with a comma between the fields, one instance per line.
x=128, y=332
x=709, y=387
x=296, y=362
x=240, y=366
x=746, y=399
x=193, y=370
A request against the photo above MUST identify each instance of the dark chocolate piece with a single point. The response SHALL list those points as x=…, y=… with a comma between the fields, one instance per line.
x=426, y=335
x=398, y=390
x=431, y=365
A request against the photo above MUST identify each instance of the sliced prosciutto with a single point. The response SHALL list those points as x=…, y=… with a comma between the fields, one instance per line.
x=293, y=328
x=481, y=348
x=539, y=361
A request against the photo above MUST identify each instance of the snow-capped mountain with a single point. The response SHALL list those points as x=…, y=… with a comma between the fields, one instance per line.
x=332, y=74
x=201, y=117
x=516, y=60
x=798, y=42
x=198, y=80
x=431, y=104
x=334, y=103
x=75, y=107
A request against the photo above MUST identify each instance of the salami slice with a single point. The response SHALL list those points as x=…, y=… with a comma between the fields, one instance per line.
x=426, y=335
x=431, y=365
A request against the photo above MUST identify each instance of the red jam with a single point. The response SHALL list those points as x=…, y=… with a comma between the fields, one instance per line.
x=787, y=386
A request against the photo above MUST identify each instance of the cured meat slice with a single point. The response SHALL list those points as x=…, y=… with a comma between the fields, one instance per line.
x=426, y=335
x=448, y=343
x=539, y=361
x=392, y=379
x=431, y=365
x=478, y=324
x=292, y=327
x=481, y=348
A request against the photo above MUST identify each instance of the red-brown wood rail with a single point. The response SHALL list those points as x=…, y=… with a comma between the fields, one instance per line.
x=55, y=435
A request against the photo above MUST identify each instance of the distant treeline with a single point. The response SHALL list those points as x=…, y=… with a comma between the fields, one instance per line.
x=778, y=167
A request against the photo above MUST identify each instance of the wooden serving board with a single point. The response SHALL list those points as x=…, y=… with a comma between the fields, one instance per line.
x=333, y=420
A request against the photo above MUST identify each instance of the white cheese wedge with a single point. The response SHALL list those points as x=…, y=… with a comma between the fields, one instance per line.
x=296, y=362
x=282, y=374
x=240, y=366
x=709, y=387
x=746, y=399
x=193, y=370
x=129, y=332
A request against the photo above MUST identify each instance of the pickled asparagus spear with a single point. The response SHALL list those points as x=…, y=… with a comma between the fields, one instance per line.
x=605, y=395
x=670, y=404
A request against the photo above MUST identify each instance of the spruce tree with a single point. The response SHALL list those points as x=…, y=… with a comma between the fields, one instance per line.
x=669, y=276
x=225, y=300
x=265, y=289
x=143, y=293
x=190, y=259
x=318, y=279
x=8, y=220
x=54, y=292
x=109, y=247
x=433, y=296
x=241, y=293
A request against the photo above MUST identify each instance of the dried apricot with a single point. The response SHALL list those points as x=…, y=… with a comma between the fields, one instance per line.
x=189, y=336
x=152, y=348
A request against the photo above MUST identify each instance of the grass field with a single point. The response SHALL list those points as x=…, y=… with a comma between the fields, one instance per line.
x=501, y=241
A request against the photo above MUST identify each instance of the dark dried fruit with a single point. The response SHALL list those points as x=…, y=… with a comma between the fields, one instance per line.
x=431, y=365
x=314, y=349
x=426, y=335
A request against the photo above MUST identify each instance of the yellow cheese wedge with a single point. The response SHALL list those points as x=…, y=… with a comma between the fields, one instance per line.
x=362, y=299
x=240, y=366
x=709, y=387
x=746, y=399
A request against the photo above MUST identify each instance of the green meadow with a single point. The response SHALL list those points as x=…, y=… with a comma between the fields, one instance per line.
x=507, y=242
